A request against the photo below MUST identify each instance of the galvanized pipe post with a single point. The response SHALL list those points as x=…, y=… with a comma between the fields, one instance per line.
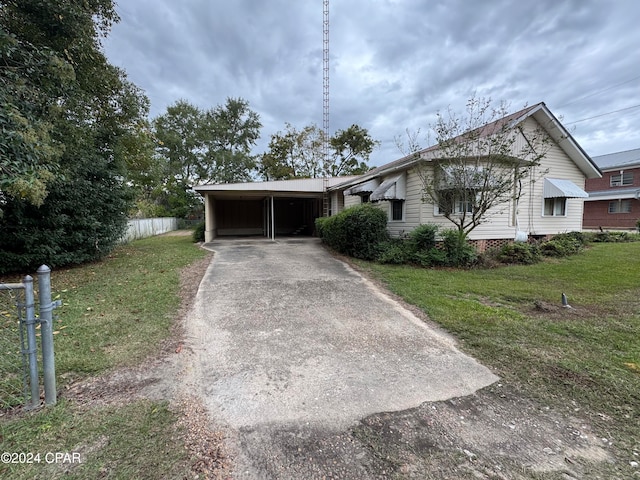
x=30, y=322
x=46, y=329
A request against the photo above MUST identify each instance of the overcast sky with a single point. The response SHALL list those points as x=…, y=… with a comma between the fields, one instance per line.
x=393, y=63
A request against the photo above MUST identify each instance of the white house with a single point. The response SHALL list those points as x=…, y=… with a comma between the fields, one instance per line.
x=550, y=201
x=551, y=197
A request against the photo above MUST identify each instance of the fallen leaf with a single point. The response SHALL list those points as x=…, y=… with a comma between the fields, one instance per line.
x=634, y=367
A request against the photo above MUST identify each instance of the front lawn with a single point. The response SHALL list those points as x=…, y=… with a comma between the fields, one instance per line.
x=584, y=359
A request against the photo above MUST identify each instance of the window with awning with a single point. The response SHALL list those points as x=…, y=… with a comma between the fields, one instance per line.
x=390, y=189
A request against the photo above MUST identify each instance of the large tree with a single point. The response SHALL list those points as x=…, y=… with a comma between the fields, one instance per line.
x=300, y=153
x=197, y=146
x=71, y=121
x=478, y=163
x=231, y=132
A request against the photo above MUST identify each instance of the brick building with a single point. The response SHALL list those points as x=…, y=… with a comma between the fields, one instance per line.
x=614, y=199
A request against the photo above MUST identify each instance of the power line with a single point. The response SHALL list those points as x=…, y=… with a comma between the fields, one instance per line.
x=602, y=115
x=599, y=92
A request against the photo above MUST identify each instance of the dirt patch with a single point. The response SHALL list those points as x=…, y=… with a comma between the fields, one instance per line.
x=207, y=447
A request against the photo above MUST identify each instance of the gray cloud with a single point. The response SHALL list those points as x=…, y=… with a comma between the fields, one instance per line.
x=394, y=63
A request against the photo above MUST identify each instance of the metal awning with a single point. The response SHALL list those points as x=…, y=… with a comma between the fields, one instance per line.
x=558, y=188
x=615, y=194
x=389, y=190
x=366, y=187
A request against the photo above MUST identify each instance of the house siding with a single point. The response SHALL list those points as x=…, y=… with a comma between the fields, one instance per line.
x=351, y=200
x=411, y=207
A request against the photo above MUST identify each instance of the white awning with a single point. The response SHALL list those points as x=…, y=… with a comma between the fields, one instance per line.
x=391, y=189
x=556, y=187
x=615, y=194
x=366, y=187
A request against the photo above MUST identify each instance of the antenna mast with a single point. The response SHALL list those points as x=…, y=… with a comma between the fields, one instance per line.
x=325, y=82
x=326, y=203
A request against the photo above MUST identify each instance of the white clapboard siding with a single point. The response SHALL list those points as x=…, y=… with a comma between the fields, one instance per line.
x=501, y=222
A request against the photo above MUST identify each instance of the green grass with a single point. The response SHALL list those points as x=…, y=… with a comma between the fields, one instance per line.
x=585, y=358
x=116, y=313
x=125, y=442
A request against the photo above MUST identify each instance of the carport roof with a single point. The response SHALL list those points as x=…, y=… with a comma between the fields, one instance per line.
x=298, y=185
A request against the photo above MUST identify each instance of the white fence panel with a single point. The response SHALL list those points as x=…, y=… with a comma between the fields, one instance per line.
x=148, y=227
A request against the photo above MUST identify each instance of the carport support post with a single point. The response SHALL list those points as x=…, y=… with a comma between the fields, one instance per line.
x=273, y=220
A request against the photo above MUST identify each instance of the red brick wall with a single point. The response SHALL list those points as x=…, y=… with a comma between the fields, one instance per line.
x=596, y=214
x=604, y=183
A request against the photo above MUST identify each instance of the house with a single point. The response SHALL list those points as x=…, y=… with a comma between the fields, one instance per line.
x=551, y=197
x=614, y=199
x=550, y=201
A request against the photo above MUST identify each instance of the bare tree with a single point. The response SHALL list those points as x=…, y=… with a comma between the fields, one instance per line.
x=410, y=145
x=478, y=164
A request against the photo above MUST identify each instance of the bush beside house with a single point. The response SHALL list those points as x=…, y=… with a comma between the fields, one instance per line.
x=356, y=231
x=360, y=232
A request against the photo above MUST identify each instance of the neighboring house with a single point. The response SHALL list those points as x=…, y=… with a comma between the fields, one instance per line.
x=551, y=199
x=614, y=199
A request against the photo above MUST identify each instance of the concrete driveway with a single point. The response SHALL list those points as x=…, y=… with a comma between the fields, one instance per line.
x=284, y=334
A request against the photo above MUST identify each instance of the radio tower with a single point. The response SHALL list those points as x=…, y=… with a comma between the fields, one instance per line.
x=325, y=77
x=325, y=104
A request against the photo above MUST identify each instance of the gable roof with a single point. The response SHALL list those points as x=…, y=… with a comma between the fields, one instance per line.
x=626, y=159
x=539, y=112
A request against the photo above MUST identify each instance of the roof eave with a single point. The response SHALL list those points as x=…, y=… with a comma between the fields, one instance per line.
x=565, y=141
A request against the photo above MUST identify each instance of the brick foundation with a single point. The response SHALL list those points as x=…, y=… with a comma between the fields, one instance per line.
x=482, y=246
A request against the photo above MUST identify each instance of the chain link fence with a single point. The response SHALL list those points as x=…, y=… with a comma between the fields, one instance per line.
x=14, y=369
x=19, y=352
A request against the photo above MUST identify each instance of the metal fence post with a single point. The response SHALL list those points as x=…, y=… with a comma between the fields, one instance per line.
x=30, y=322
x=46, y=329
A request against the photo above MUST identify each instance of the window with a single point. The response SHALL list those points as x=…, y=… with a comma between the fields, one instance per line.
x=555, y=207
x=621, y=179
x=365, y=198
x=464, y=207
x=397, y=210
x=459, y=207
x=620, y=206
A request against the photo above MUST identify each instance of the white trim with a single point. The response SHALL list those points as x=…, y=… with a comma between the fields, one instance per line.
x=404, y=204
x=555, y=199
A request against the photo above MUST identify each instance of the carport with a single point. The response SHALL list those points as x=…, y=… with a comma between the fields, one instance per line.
x=268, y=209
